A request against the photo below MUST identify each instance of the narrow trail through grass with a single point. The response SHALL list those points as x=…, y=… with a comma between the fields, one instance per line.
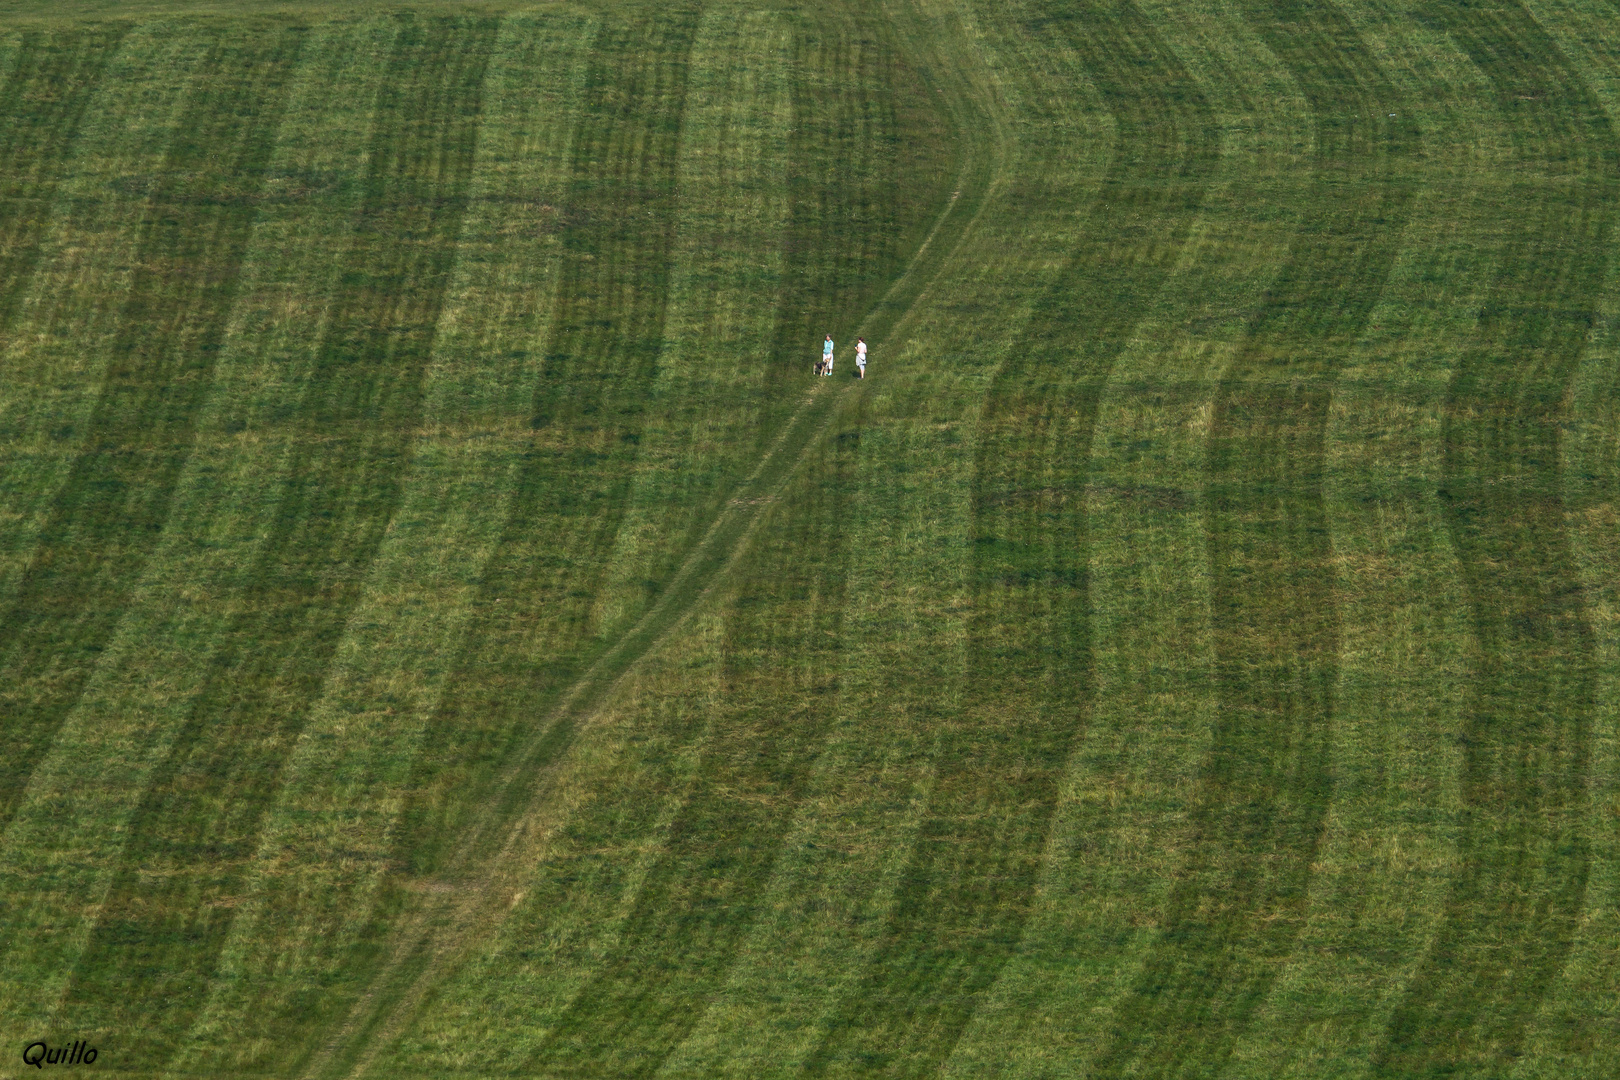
x=967, y=890
x=1512, y=912
x=607, y=328
x=436, y=940
x=1237, y=908
x=445, y=631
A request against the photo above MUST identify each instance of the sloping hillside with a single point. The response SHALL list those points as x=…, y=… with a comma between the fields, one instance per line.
x=447, y=630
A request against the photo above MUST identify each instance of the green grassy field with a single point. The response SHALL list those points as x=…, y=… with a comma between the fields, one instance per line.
x=446, y=630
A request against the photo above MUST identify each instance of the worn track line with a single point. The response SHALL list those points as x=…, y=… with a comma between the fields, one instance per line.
x=482, y=895
x=970, y=883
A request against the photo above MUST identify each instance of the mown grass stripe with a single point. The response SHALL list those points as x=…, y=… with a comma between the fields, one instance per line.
x=1387, y=851
x=116, y=498
x=11, y=41
x=144, y=974
x=1265, y=786
x=307, y=933
x=44, y=102
x=698, y=424
x=1513, y=909
x=693, y=911
x=1113, y=848
x=607, y=331
x=532, y=627
x=968, y=889
x=780, y=653
x=1572, y=1034
x=68, y=322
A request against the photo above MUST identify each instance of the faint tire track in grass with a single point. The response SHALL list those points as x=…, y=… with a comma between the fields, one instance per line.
x=45, y=98
x=1513, y=909
x=607, y=329
x=1236, y=911
x=631, y=1016
x=436, y=936
x=305, y=935
x=780, y=655
x=144, y=973
x=967, y=891
x=116, y=497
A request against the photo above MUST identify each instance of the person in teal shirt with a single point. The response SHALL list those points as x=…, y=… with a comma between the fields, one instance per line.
x=827, y=356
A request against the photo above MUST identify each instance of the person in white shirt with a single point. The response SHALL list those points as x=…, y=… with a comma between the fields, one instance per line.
x=860, y=356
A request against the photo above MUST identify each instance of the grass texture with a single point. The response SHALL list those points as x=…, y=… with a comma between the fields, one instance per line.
x=446, y=630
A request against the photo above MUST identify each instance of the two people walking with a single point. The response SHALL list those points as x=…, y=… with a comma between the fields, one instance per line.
x=825, y=365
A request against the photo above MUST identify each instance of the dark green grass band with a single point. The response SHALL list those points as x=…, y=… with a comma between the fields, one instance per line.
x=1238, y=907
x=694, y=910
x=574, y=476
x=606, y=334
x=42, y=106
x=116, y=499
x=144, y=975
x=646, y=1033
x=1511, y=916
x=970, y=883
